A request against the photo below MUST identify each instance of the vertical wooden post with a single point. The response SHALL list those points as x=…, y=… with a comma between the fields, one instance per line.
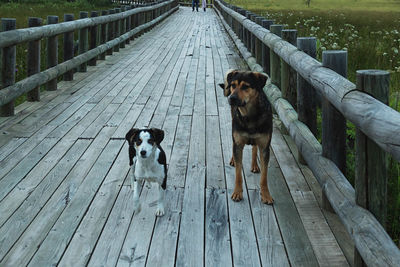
x=93, y=38
x=275, y=59
x=83, y=41
x=265, y=60
x=33, y=59
x=258, y=43
x=52, y=53
x=288, y=75
x=371, y=160
x=306, y=105
x=333, y=122
x=8, y=66
x=122, y=27
x=68, y=48
x=103, y=34
x=253, y=38
x=128, y=24
x=110, y=29
x=247, y=36
x=117, y=29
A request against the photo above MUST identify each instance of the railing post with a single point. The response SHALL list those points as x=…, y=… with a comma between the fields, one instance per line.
x=123, y=27
x=52, y=53
x=33, y=60
x=83, y=41
x=275, y=59
x=252, y=36
x=117, y=29
x=103, y=34
x=133, y=22
x=288, y=75
x=247, y=34
x=93, y=38
x=68, y=47
x=306, y=104
x=8, y=66
x=371, y=161
x=265, y=60
x=333, y=122
x=258, y=43
x=110, y=29
x=128, y=25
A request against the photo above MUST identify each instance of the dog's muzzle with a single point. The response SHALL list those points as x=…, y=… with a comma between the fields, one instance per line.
x=234, y=100
x=143, y=154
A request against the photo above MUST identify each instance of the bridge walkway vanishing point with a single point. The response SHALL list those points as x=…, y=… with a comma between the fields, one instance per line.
x=65, y=196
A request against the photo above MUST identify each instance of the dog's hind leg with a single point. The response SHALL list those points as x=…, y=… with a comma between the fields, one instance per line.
x=264, y=191
x=237, y=194
x=254, y=165
x=160, y=202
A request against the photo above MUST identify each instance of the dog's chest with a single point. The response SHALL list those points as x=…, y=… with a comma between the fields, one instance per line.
x=149, y=170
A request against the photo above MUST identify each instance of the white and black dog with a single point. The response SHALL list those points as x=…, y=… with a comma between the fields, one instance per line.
x=148, y=163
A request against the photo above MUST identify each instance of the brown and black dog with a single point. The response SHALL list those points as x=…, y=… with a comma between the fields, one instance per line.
x=251, y=125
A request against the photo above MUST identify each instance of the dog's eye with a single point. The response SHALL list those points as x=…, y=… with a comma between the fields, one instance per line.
x=138, y=142
x=245, y=87
x=151, y=141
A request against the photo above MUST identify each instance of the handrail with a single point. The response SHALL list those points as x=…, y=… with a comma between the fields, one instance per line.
x=19, y=36
x=371, y=240
x=378, y=121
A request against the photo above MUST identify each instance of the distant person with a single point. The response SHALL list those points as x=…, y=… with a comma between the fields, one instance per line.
x=204, y=4
x=197, y=5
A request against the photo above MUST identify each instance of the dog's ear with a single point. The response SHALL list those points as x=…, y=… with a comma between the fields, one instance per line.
x=131, y=134
x=260, y=80
x=222, y=85
x=230, y=75
x=158, y=135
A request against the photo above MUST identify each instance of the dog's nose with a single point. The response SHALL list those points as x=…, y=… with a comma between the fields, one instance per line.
x=143, y=153
x=233, y=100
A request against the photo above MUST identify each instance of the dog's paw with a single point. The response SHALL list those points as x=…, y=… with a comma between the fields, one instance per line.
x=266, y=198
x=255, y=168
x=232, y=162
x=237, y=195
x=160, y=211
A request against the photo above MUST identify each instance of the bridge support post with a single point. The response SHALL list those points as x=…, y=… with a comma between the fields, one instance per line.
x=8, y=66
x=83, y=41
x=128, y=25
x=265, y=60
x=110, y=29
x=275, y=59
x=33, y=60
x=288, y=75
x=371, y=161
x=117, y=29
x=103, y=35
x=333, y=122
x=306, y=104
x=258, y=43
x=93, y=38
x=52, y=53
x=122, y=27
x=68, y=48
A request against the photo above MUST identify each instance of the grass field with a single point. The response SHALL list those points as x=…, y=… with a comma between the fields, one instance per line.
x=369, y=31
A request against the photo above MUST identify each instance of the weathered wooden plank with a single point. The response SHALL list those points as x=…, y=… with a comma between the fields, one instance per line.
x=13, y=226
x=33, y=236
x=52, y=248
x=10, y=147
x=190, y=252
x=217, y=237
x=162, y=250
x=215, y=164
x=129, y=121
x=84, y=240
x=271, y=247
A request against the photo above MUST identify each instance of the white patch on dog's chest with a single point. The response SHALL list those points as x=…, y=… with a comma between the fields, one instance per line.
x=149, y=169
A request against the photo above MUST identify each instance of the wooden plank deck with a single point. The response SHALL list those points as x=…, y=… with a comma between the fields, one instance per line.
x=65, y=197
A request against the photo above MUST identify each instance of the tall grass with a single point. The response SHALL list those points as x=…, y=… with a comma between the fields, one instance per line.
x=372, y=39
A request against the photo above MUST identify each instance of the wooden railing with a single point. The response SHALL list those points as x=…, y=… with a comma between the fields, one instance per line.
x=108, y=32
x=290, y=67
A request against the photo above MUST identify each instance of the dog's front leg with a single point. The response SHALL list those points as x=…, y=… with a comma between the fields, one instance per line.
x=237, y=194
x=136, y=185
x=160, y=202
x=265, y=195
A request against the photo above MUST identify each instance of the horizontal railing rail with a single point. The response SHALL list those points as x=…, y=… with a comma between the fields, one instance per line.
x=375, y=119
x=119, y=32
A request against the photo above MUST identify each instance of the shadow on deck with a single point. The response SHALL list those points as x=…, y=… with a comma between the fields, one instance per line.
x=64, y=193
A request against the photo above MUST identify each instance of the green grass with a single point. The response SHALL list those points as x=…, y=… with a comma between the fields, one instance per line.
x=369, y=31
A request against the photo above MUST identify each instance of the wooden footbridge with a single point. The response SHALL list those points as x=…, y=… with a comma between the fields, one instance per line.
x=65, y=197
